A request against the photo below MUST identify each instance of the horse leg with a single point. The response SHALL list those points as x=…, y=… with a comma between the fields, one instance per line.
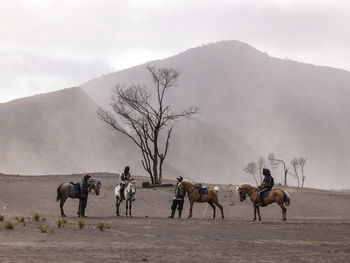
x=221, y=208
x=284, y=212
x=130, y=208
x=62, y=201
x=258, y=209
x=118, y=204
x=213, y=206
x=126, y=206
x=191, y=206
x=255, y=208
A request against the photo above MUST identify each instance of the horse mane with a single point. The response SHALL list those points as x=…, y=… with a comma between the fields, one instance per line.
x=187, y=181
x=245, y=186
x=94, y=180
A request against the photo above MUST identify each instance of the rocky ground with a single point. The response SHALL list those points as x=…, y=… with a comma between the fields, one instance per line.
x=317, y=227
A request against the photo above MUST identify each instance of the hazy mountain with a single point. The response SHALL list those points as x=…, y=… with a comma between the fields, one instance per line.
x=59, y=132
x=275, y=105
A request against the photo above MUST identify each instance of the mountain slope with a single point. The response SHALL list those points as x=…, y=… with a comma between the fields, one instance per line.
x=59, y=132
x=275, y=105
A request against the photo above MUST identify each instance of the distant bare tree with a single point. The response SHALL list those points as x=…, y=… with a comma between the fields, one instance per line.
x=251, y=168
x=145, y=118
x=276, y=162
x=295, y=164
x=302, y=162
x=261, y=165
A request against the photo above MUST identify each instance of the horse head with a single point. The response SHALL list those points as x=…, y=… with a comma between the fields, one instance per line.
x=95, y=184
x=241, y=193
x=182, y=187
x=132, y=187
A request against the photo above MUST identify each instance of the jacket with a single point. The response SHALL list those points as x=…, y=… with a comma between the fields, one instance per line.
x=268, y=182
x=84, y=188
x=177, y=194
x=124, y=177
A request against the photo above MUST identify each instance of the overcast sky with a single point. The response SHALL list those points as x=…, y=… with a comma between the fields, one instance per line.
x=47, y=45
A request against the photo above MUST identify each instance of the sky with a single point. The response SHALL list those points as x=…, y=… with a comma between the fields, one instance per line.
x=47, y=45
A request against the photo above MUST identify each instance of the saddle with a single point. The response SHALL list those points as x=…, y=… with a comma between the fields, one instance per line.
x=76, y=186
x=202, y=190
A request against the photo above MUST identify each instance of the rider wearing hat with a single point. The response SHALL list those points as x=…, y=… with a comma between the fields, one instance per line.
x=178, y=199
x=84, y=192
x=266, y=185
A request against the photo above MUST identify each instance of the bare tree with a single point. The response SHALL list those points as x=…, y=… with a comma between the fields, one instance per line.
x=144, y=119
x=276, y=162
x=302, y=162
x=295, y=164
x=251, y=168
x=261, y=164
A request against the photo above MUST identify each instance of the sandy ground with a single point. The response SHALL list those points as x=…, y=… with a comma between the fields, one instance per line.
x=317, y=227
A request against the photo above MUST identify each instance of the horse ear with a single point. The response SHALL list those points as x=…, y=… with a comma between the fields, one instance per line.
x=238, y=188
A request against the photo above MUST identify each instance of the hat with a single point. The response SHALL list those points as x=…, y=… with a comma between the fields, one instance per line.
x=87, y=176
x=266, y=171
x=180, y=178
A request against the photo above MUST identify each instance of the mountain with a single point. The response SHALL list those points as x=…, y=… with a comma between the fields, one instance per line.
x=289, y=108
x=59, y=132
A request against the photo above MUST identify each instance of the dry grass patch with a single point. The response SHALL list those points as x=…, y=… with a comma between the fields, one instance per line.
x=8, y=225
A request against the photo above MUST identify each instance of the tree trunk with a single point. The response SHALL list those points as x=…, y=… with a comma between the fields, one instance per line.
x=285, y=177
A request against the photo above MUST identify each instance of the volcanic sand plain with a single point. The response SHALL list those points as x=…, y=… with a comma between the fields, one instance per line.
x=317, y=227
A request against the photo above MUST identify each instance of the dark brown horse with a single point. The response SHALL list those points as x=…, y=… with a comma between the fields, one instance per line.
x=194, y=196
x=281, y=197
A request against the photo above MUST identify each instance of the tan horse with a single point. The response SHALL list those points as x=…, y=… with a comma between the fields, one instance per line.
x=282, y=198
x=193, y=195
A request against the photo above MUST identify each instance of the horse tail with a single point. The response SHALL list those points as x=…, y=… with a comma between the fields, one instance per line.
x=58, y=192
x=216, y=189
x=286, y=198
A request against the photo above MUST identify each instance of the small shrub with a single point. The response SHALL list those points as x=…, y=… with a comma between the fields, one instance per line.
x=60, y=223
x=19, y=219
x=2, y=218
x=103, y=226
x=81, y=224
x=36, y=217
x=42, y=228
x=8, y=225
x=64, y=221
x=52, y=231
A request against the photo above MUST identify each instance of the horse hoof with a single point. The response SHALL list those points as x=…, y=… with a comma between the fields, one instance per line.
x=63, y=215
x=118, y=215
x=254, y=219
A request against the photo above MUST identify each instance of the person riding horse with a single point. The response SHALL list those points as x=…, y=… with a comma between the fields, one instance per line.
x=178, y=199
x=266, y=185
x=84, y=192
x=124, y=180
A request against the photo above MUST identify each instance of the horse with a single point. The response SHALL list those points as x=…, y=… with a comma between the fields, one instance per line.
x=66, y=190
x=194, y=196
x=129, y=193
x=281, y=197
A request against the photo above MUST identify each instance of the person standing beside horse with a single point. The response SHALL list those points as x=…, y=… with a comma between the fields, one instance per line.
x=266, y=186
x=84, y=192
x=124, y=180
x=178, y=199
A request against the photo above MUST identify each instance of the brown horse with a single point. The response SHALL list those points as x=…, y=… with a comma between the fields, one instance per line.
x=282, y=198
x=194, y=196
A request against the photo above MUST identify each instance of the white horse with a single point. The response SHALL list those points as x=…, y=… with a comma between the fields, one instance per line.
x=129, y=193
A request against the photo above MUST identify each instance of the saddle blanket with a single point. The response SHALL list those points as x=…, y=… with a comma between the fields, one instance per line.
x=204, y=190
x=266, y=193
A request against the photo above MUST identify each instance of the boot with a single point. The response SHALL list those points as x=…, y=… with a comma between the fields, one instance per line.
x=172, y=214
x=180, y=212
